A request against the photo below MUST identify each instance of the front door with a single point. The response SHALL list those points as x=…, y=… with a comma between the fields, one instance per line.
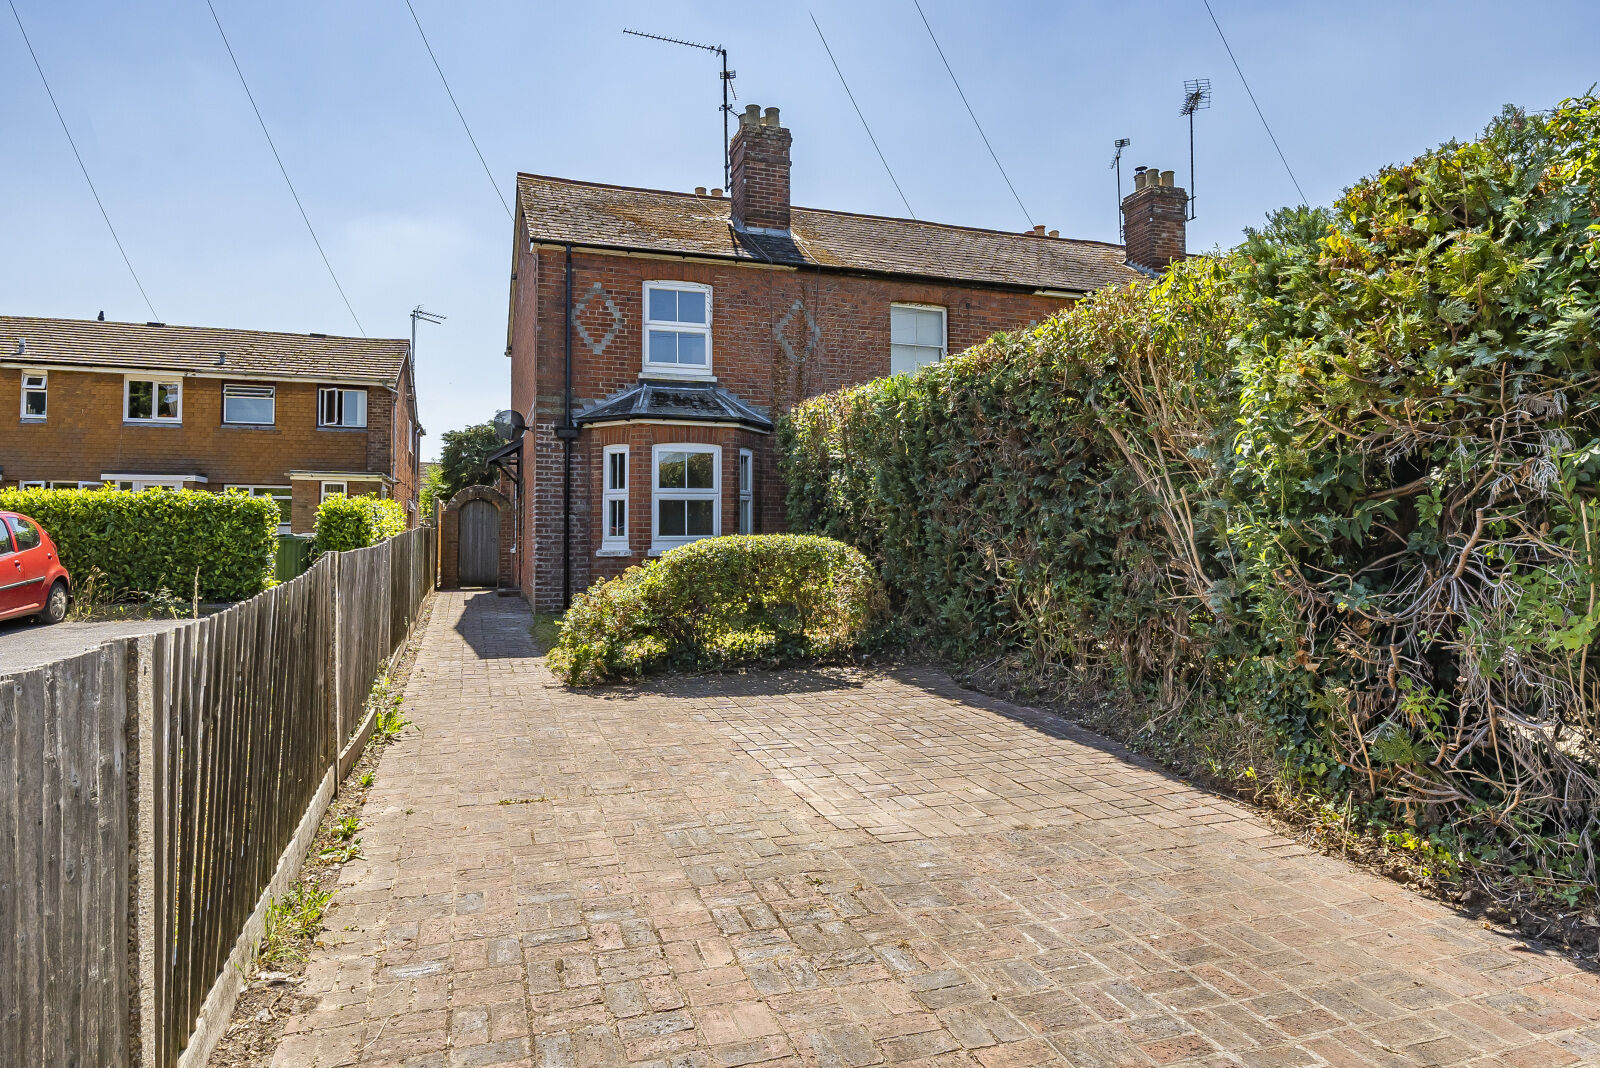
x=478, y=549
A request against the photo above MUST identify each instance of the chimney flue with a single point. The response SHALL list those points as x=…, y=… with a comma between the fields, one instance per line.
x=1154, y=220
x=760, y=167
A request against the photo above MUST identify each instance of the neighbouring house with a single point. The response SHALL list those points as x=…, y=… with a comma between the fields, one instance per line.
x=295, y=417
x=654, y=337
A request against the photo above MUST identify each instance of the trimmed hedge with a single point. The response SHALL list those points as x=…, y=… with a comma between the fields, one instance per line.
x=1323, y=509
x=721, y=602
x=345, y=523
x=143, y=543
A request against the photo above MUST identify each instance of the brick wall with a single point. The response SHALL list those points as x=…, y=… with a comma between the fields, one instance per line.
x=777, y=336
x=758, y=158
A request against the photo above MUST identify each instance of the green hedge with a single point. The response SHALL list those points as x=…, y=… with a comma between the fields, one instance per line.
x=158, y=539
x=1322, y=508
x=719, y=602
x=345, y=523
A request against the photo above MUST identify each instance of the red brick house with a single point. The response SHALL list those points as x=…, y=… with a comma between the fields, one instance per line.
x=295, y=417
x=654, y=336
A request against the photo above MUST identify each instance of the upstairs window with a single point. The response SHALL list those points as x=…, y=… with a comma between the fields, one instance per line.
x=916, y=336
x=35, y=396
x=341, y=407
x=677, y=327
x=249, y=405
x=614, y=496
x=685, y=494
x=151, y=400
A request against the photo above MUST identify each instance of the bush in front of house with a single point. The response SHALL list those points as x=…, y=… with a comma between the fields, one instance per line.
x=1320, y=512
x=144, y=543
x=765, y=599
x=345, y=523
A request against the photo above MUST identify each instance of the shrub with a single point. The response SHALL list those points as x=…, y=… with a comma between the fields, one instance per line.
x=1336, y=491
x=345, y=523
x=158, y=540
x=720, y=602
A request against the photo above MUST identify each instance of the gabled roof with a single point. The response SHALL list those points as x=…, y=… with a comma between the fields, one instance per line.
x=561, y=210
x=200, y=350
x=696, y=402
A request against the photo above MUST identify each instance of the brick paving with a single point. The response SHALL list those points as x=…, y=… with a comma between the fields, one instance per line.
x=844, y=870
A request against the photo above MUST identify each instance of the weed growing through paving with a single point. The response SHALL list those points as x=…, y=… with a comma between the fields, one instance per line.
x=342, y=843
x=293, y=923
x=521, y=800
x=366, y=780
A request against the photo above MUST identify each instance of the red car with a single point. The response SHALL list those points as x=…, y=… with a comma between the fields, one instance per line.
x=32, y=580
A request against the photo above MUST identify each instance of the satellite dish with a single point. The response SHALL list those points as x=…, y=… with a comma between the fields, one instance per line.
x=508, y=425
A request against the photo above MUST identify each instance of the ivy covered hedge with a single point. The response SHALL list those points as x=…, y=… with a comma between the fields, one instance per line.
x=721, y=602
x=345, y=523
x=1322, y=508
x=143, y=543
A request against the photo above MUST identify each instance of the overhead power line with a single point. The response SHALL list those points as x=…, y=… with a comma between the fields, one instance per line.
x=93, y=191
x=1026, y=218
x=284, y=170
x=486, y=171
x=1267, y=126
x=862, y=117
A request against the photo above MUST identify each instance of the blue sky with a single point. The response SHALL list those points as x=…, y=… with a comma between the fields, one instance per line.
x=407, y=215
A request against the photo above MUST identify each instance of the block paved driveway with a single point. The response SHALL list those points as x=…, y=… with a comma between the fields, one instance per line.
x=849, y=870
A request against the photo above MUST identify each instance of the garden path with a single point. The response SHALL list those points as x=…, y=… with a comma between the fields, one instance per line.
x=848, y=869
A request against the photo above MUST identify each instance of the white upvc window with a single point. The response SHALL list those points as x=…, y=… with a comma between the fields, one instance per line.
x=614, y=499
x=339, y=407
x=282, y=496
x=677, y=328
x=139, y=485
x=747, y=496
x=334, y=489
x=249, y=405
x=916, y=336
x=685, y=505
x=30, y=485
x=35, y=396
x=152, y=400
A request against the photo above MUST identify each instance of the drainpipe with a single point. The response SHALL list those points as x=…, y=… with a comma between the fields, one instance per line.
x=567, y=432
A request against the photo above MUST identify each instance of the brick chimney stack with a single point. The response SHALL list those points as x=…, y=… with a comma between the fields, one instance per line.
x=760, y=158
x=1154, y=220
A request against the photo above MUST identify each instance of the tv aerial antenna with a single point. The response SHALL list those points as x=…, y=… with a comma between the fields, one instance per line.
x=1116, y=165
x=727, y=87
x=1196, y=97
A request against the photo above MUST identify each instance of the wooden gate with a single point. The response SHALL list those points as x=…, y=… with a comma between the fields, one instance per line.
x=478, y=548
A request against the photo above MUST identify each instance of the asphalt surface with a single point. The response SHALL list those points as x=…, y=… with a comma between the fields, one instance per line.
x=26, y=643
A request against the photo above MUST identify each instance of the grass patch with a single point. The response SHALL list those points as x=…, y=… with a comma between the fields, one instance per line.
x=293, y=923
x=546, y=631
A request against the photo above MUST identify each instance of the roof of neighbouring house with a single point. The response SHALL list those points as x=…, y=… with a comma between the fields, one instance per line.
x=561, y=210
x=199, y=350
x=697, y=402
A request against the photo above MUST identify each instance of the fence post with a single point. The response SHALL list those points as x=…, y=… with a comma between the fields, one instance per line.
x=144, y=1021
x=335, y=658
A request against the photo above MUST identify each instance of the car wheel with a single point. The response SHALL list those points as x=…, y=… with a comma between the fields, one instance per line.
x=55, y=609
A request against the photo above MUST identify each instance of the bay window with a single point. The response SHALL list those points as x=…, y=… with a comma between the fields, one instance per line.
x=747, y=497
x=685, y=501
x=614, y=499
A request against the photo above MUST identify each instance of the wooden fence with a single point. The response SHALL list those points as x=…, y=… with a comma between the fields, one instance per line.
x=155, y=793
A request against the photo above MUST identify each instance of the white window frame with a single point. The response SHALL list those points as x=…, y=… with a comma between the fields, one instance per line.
x=275, y=493
x=322, y=393
x=271, y=397
x=675, y=370
x=156, y=382
x=610, y=495
x=944, y=330
x=659, y=544
x=327, y=491
x=139, y=485
x=30, y=485
x=42, y=387
x=747, y=492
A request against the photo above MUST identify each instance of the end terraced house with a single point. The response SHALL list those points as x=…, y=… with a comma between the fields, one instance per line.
x=295, y=417
x=655, y=335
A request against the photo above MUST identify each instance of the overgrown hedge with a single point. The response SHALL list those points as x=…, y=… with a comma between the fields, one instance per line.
x=142, y=543
x=345, y=523
x=720, y=602
x=1323, y=507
